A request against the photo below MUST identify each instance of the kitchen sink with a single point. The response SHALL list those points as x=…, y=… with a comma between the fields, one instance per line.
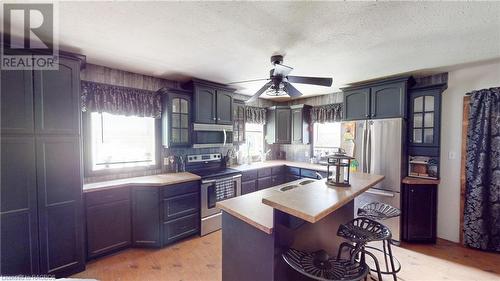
x=306, y=182
x=288, y=187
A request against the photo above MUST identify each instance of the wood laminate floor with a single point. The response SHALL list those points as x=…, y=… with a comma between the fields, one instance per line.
x=200, y=259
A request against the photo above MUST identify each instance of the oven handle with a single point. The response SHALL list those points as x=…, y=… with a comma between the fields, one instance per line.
x=215, y=180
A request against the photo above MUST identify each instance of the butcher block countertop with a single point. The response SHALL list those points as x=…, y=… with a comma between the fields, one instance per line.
x=310, y=202
x=275, y=163
x=154, y=180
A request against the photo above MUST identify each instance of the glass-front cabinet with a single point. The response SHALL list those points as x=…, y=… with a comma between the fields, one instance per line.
x=176, y=118
x=424, y=118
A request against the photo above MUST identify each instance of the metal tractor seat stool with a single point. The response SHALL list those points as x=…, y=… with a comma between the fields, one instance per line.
x=320, y=266
x=378, y=211
x=362, y=230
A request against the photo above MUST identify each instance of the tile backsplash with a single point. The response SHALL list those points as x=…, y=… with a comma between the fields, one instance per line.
x=297, y=152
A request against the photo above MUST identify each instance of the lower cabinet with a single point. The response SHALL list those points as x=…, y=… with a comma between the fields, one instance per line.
x=146, y=217
x=419, y=212
x=248, y=187
x=141, y=217
x=108, y=223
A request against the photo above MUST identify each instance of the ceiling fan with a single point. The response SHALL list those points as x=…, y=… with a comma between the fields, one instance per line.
x=279, y=82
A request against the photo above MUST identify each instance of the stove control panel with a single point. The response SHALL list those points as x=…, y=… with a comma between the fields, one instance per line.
x=204, y=157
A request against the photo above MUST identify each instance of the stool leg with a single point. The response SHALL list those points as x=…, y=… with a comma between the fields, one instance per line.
x=377, y=266
x=342, y=245
x=385, y=256
x=392, y=261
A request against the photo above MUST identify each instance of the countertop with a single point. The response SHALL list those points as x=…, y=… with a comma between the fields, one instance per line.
x=274, y=163
x=311, y=202
x=154, y=180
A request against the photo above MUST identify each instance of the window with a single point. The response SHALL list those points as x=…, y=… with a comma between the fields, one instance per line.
x=254, y=141
x=326, y=138
x=121, y=141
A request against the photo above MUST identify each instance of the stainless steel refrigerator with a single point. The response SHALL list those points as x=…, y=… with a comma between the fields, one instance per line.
x=378, y=149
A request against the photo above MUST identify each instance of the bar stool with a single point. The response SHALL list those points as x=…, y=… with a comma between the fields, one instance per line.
x=362, y=230
x=319, y=266
x=378, y=211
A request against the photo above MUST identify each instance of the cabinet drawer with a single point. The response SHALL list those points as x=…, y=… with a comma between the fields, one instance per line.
x=180, y=205
x=264, y=183
x=180, y=228
x=293, y=171
x=264, y=173
x=248, y=187
x=181, y=188
x=311, y=174
x=249, y=175
x=107, y=196
x=277, y=170
x=278, y=179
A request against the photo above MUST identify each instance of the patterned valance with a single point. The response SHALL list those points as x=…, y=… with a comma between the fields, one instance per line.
x=327, y=113
x=97, y=97
x=255, y=115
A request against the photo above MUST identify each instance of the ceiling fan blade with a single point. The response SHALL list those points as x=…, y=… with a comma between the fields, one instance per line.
x=320, y=81
x=259, y=92
x=292, y=91
x=281, y=70
x=246, y=81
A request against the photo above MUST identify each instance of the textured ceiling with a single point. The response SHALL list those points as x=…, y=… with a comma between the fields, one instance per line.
x=230, y=41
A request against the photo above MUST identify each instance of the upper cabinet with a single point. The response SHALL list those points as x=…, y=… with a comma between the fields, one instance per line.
x=278, y=127
x=176, y=118
x=300, y=124
x=213, y=102
x=17, y=102
x=238, y=122
x=424, y=118
x=380, y=99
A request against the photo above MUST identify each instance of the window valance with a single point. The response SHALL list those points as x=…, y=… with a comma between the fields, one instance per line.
x=256, y=115
x=327, y=113
x=97, y=97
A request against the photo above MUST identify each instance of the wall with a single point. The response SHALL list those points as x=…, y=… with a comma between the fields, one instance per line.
x=460, y=82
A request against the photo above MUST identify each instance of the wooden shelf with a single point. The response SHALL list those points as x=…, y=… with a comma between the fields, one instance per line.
x=412, y=180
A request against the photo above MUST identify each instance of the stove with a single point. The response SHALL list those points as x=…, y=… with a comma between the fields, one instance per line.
x=218, y=183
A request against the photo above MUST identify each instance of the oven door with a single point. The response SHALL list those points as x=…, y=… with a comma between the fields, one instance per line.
x=210, y=135
x=215, y=190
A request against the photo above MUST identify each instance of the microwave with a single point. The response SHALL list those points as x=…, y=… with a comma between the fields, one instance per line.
x=212, y=135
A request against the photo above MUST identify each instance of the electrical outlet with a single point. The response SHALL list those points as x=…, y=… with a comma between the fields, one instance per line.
x=165, y=161
x=452, y=155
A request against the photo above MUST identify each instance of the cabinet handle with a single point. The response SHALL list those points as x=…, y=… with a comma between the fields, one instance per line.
x=367, y=115
x=214, y=118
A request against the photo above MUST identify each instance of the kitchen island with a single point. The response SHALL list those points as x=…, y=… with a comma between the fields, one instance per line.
x=304, y=214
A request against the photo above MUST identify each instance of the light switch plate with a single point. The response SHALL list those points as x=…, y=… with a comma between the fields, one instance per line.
x=452, y=155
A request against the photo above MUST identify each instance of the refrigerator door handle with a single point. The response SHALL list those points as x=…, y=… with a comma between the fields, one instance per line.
x=368, y=147
x=381, y=193
x=363, y=148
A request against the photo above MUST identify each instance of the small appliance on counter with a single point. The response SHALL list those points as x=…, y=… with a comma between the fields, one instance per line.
x=423, y=167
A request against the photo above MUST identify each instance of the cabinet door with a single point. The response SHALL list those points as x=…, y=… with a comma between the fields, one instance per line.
x=224, y=107
x=180, y=228
x=283, y=118
x=357, y=104
x=108, y=227
x=145, y=217
x=57, y=99
x=204, y=105
x=420, y=213
x=180, y=120
x=248, y=187
x=238, y=122
x=388, y=101
x=424, y=125
x=297, y=120
x=17, y=102
x=18, y=213
x=60, y=209
x=264, y=183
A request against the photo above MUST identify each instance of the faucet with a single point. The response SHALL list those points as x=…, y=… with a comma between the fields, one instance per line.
x=318, y=175
x=264, y=155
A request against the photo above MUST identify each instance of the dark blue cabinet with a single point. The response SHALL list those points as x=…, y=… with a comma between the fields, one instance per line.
x=41, y=171
x=176, y=118
x=379, y=99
